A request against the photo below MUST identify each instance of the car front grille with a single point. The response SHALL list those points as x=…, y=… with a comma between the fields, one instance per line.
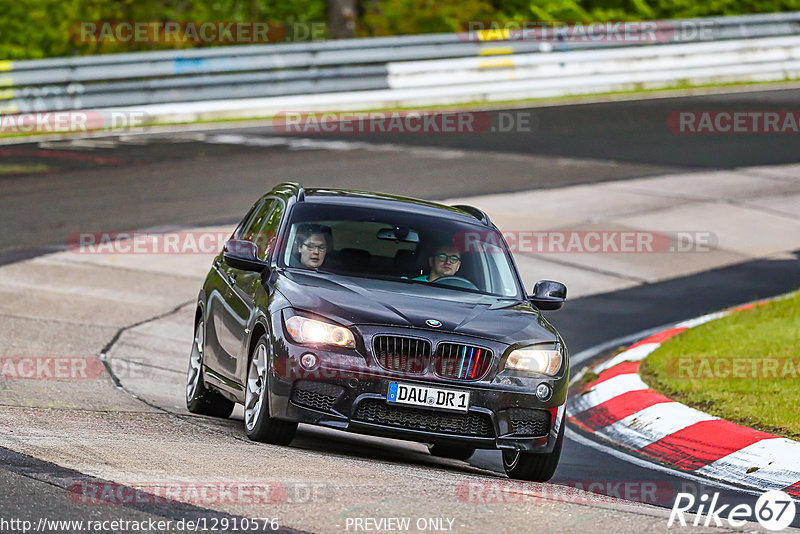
x=377, y=411
x=529, y=422
x=405, y=354
x=318, y=395
x=454, y=360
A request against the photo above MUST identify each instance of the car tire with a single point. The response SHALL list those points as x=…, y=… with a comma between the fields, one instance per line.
x=536, y=467
x=448, y=451
x=258, y=425
x=200, y=400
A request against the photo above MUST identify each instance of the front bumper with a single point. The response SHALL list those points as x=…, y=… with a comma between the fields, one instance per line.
x=348, y=390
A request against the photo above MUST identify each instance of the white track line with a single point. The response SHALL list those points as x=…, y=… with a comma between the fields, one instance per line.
x=777, y=461
x=697, y=321
x=648, y=464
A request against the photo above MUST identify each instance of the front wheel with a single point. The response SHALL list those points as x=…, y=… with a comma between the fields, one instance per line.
x=258, y=425
x=200, y=400
x=536, y=467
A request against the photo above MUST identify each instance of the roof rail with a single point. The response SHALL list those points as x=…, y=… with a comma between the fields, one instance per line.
x=300, y=193
x=475, y=212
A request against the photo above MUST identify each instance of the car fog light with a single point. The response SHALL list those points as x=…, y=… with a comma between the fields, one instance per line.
x=543, y=392
x=308, y=361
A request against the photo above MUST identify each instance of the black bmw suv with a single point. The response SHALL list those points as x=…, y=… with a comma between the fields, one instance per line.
x=382, y=315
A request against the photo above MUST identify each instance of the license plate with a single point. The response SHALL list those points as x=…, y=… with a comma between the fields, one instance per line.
x=445, y=399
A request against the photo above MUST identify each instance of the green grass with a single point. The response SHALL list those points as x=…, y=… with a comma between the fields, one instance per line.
x=22, y=169
x=744, y=367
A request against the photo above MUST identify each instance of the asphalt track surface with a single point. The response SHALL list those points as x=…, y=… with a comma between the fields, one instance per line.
x=174, y=181
x=634, y=132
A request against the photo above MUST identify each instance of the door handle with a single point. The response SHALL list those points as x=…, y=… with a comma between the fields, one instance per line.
x=232, y=278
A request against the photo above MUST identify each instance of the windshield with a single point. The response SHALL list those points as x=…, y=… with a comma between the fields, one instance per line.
x=399, y=246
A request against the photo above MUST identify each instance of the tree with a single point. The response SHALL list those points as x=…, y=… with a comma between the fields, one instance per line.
x=342, y=18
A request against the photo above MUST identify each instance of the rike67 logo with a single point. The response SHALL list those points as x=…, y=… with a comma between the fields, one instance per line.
x=774, y=510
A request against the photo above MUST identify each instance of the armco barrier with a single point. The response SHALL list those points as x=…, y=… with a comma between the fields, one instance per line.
x=440, y=68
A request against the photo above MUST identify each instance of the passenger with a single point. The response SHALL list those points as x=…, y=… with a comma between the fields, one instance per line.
x=313, y=245
x=445, y=261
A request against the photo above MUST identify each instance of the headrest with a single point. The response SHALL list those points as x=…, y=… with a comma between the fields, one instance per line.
x=354, y=258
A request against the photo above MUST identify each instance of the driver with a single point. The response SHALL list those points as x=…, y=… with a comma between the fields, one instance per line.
x=445, y=261
x=313, y=244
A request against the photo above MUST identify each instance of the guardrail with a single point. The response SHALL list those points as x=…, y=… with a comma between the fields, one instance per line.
x=470, y=65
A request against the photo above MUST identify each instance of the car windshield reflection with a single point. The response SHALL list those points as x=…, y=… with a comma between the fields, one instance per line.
x=369, y=243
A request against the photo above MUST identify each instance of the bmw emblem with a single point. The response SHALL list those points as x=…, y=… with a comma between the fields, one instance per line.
x=433, y=323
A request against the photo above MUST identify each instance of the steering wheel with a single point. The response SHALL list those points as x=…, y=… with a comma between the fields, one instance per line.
x=455, y=281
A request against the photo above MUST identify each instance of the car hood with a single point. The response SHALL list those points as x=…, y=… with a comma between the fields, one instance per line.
x=354, y=301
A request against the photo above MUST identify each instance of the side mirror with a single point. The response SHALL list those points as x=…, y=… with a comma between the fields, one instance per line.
x=548, y=295
x=243, y=255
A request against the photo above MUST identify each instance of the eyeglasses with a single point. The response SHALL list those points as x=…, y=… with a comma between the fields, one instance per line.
x=445, y=257
x=312, y=247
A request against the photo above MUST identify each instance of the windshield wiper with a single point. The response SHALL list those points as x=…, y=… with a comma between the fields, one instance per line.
x=303, y=270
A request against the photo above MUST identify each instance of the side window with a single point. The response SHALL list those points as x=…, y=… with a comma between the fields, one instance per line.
x=245, y=227
x=500, y=273
x=266, y=228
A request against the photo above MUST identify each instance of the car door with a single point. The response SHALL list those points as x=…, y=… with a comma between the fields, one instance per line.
x=246, y=284
x=225, y=308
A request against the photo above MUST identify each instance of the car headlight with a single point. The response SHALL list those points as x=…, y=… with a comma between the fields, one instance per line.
x=304, y=330
x=546, y=361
